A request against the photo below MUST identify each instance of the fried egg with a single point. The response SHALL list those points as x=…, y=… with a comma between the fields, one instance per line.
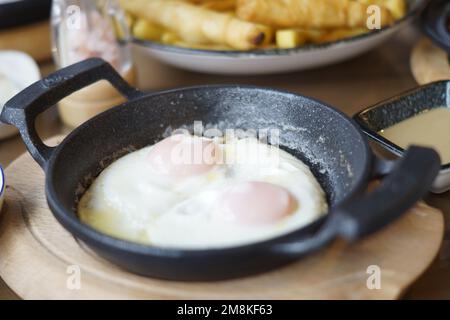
x=189, y=192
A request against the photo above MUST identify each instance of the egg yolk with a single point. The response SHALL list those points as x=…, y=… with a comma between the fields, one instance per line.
x=256, y=203
x=182, y=156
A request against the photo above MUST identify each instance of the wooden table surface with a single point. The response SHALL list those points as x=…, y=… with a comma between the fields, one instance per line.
x=349, y=86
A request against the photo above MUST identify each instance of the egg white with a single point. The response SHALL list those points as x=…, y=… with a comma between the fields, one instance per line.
x=129, y=200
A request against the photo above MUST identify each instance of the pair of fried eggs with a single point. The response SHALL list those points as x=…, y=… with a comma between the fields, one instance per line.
x=190, y=192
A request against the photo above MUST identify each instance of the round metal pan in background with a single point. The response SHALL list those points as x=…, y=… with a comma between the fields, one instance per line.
x=14, y=13
x=436, y=23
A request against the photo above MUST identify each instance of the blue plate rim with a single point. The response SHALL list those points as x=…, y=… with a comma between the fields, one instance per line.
x=2, y=188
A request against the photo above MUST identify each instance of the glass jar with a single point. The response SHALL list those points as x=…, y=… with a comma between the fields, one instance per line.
x=83, y=29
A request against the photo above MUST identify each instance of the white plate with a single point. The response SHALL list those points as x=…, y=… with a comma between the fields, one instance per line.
x=22, y=70
x=274, y=60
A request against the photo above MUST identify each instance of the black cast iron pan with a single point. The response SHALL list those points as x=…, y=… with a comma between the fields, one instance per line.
x=327, y=140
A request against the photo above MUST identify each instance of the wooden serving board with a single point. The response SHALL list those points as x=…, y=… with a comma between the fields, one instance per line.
x=429, y=63
x=36, y=255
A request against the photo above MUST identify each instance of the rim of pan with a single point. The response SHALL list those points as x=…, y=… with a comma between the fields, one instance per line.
x=87, y=233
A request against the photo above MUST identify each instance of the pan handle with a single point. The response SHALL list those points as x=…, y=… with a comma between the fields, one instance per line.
x=22, y=110
x=409, y=181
